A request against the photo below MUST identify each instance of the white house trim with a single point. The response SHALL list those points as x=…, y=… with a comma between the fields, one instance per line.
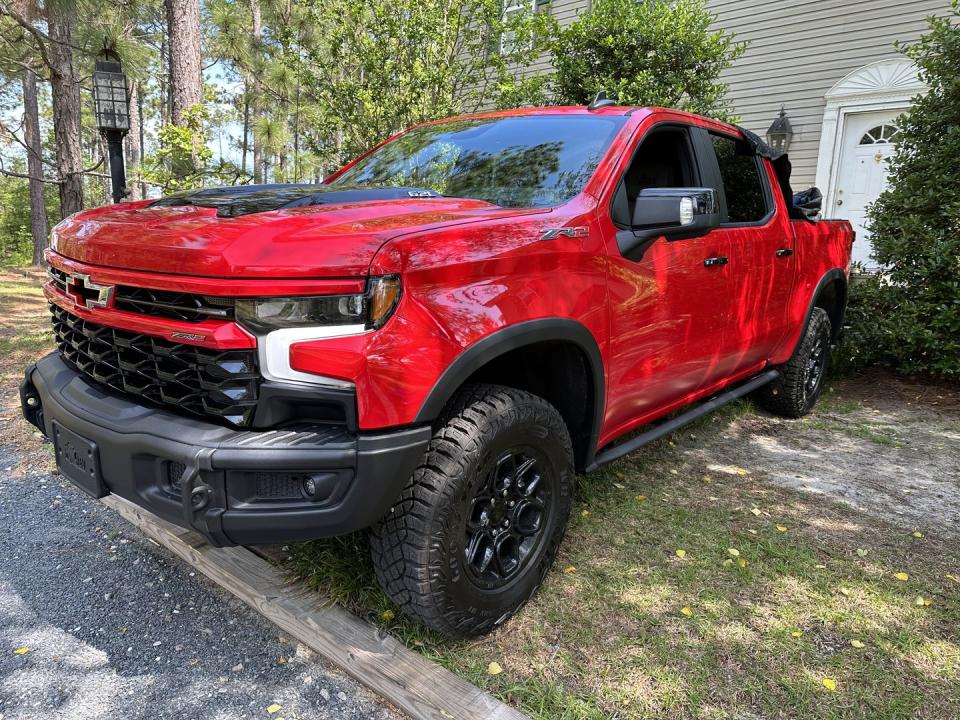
x=882, y=85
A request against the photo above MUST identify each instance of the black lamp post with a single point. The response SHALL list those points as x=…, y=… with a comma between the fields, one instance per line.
x=113, y=115
x=780, y=132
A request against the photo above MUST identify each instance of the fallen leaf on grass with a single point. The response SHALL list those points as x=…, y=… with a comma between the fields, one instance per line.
x=681, y=553
x=387, y=615
x=21, y=651
x=953, y=577
x=728, y=562
x=741, y=472
x=741, y=562
x=686, y=611
x=856, y=643
x=752, y=531
x=917, y=534
x=569, y=569
x=282, y=660
x=273, y=708
x=829, y=683
x=621, y=475
x=734, y=552
x=619, y=486
x=584, y=513
x=796, y=633
x=494, y=668
x=921, y=601
x=640, y=498
x=845, y=592
x=861, y=552
x=757, y=511
x=902, y=576
x=782, y=528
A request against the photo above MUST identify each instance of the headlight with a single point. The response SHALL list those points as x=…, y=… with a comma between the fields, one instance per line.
x=369, y=310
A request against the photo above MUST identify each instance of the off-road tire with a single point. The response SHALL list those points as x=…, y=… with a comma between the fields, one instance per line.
x=793, y=395
x=420, y=548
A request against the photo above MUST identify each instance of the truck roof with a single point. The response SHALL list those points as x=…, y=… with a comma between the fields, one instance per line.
x=617, y=110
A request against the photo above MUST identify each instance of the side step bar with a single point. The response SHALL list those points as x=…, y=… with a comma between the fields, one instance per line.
x=655, y=433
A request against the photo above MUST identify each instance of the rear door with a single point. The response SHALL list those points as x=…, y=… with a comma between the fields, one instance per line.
x=758, y=241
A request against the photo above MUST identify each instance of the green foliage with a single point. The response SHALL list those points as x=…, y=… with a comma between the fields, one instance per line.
x=181, y=162
x=383, y=65
x=645, y=53
x=908, y=317
x=16, y=243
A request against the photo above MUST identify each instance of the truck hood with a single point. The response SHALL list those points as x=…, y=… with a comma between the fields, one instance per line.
x=280, y=231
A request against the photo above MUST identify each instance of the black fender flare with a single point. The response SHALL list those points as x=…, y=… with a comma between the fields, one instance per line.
x=828, y=277
x=511, y=338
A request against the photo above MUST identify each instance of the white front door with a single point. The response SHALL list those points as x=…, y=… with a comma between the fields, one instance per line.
x=868, y=140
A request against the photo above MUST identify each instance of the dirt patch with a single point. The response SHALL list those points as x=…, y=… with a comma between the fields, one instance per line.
x=886, y=446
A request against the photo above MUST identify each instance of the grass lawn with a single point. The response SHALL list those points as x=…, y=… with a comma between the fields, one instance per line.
x=688, y=588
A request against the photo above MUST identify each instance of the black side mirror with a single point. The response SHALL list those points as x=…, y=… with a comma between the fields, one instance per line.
x=674, y=213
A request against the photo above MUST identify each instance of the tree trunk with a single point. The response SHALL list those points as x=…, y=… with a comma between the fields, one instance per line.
x=65, y=94
x=186, y=83
x=245, y=144
x=259, y=160
x=134, y=149
x=31, y=136
x=186, y=86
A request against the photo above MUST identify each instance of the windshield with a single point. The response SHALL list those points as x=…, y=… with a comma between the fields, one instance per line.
x=529, y=161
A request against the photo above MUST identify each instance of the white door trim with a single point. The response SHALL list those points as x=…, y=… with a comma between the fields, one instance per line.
x=882, y=85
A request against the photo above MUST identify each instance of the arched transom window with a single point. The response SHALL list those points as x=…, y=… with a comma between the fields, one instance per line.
x=879, y=135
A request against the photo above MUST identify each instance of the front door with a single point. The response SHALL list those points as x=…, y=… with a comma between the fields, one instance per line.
x=868, y=141
x=669, y=310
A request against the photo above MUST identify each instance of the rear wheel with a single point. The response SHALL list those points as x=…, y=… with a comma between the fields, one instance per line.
x=802, y=377
x=473, y=534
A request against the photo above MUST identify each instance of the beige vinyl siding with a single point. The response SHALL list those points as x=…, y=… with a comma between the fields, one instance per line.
x=797, y=52
x=565, y=12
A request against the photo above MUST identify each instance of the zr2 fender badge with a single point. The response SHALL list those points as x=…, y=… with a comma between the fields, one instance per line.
x=188, y=336
x=570, y=232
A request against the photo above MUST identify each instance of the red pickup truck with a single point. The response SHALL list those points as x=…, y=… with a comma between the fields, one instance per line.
x=436, y=340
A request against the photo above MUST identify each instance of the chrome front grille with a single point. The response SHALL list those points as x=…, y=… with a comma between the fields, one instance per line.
x=171, y=304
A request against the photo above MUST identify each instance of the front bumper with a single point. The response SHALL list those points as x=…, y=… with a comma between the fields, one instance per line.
x=236, y=487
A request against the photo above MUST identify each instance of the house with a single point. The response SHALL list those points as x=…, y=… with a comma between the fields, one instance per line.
x=832, y=66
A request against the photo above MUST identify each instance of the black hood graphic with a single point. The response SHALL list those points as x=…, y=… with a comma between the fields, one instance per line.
x=249, y=199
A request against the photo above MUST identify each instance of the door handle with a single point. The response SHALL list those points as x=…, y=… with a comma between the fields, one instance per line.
x=784, y=252
x=715, y=261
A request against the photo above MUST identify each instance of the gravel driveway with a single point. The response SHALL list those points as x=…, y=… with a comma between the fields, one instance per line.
x=115, y=627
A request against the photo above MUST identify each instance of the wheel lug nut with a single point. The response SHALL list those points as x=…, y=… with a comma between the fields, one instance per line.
x=506, y=523
x=511, y=503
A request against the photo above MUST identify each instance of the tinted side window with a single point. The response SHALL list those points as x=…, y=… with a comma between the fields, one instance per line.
x=742, y=182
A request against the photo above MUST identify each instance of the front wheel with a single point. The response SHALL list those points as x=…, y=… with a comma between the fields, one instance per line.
x=475, y=531
x=802, y=377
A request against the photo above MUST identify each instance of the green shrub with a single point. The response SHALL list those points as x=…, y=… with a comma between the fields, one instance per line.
x=908, y=316
x=645, y=53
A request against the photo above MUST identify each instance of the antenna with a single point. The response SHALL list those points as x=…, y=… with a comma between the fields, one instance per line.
x=601, y=101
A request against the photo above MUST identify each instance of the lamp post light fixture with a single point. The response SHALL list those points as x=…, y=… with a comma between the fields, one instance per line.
x=780, y=132
x=113, y=115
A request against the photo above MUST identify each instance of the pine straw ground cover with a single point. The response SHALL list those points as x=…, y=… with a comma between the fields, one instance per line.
x=25, y=336
x=696, y=582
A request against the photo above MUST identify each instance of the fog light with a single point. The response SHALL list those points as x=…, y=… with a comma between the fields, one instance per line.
x=32, y=401
x=310, y=487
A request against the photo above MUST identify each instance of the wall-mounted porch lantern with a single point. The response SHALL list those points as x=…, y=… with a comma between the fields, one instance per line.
x=780, y=132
